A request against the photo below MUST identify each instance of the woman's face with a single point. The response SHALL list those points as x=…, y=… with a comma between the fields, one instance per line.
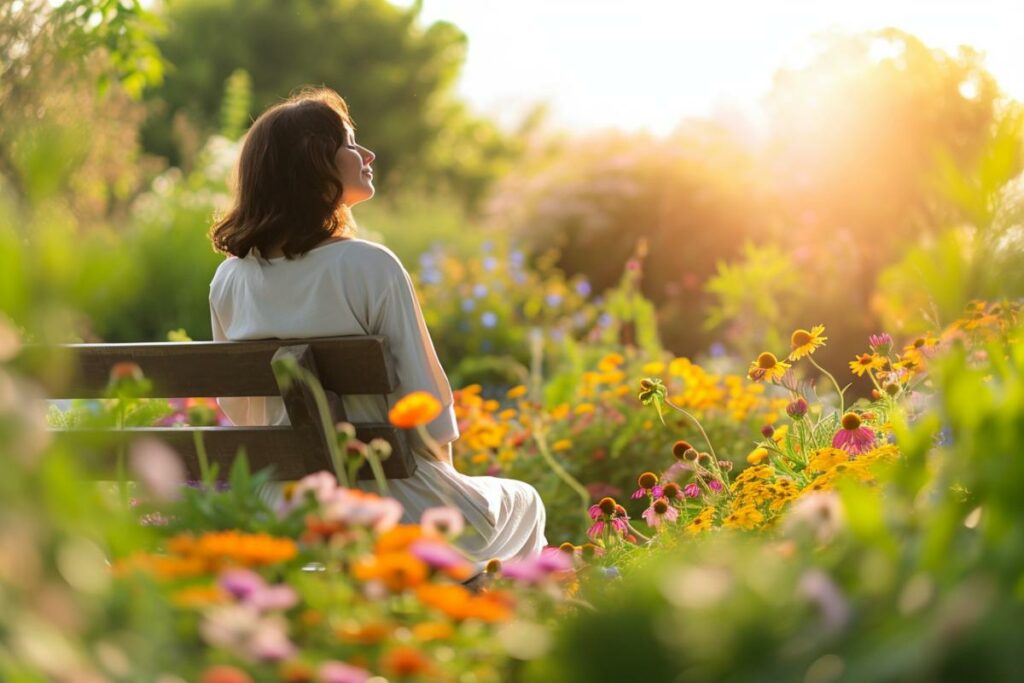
x=353, y=163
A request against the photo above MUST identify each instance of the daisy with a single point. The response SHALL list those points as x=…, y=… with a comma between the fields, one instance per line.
x=804, y=343
x=767, y=367
x=853, y=437
x=660, y=511
x=865, y=362
x=648, y=483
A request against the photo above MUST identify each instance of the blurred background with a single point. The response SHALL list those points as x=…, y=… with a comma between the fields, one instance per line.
x=759, y=167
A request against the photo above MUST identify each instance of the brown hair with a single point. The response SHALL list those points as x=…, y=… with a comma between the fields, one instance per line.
x=289, y=190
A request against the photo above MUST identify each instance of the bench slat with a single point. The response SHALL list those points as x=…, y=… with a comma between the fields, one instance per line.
x=348, y=365
x=277, y=447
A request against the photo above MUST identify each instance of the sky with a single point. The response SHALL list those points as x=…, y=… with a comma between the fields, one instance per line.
x=647, y=64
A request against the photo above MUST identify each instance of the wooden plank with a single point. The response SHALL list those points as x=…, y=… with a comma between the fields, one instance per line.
x=348, y=365
x=277, y=447
x=303, y=412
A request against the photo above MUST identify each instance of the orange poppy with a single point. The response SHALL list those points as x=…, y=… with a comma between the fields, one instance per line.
x=415, y=409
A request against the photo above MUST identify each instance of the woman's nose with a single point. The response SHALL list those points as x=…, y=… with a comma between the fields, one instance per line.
x=368, y=156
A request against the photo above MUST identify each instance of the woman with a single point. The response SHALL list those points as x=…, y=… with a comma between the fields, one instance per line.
x=295, y=270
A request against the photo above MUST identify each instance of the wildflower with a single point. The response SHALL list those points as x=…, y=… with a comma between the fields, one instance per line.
x=222, y=673
x=820, y=514
x=339, y=672
x=562, y=445
x=125, y=371
x=692, y=490
x=443, y=557
x=234, y=547
x=396, y=571
x=516, y=392
x=157, y=468
x=797, y=409
x=804, y=343
x=415, y=409
x=442, y=521
x=679, y=449
x=539, y=567
x=865, y=362
x=852, y=436
x=767, y=367
x=405, y=661
x=648, y=483
x=715, y=485
x=659, y=511
x=433, y=630
x=757, y=456
x=767, y=431
x=610, y=362
x=881, y=343
x=824, y=459
x=398, y=539
x=746, y=517
x=671, y=490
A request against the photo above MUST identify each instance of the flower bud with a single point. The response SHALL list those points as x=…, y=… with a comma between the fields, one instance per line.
x=725, y=465
x=797, y=409
x=690, y=454
x=679, y=449
x=767, y=431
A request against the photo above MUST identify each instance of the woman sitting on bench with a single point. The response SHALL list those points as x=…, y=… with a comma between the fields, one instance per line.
x=295, y=270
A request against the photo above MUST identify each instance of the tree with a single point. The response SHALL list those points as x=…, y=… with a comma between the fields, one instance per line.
x=396, y=76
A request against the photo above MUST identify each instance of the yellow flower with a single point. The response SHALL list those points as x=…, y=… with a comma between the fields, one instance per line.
x=780, y=433
x=679, y=367
x=473, y=389
x=516, y=391
x=804, y=343
x=865, y=362
x=824, y=459
x=767, y=367
x=610, y=362
x=560, y=412
x=562, y=445
x=654, y=368
x=757, y=456
x=746, y=517
x=415, y=409
x=398, y=571
x=507, y=414
x=584, y=408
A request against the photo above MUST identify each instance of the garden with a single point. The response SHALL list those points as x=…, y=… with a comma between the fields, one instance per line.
x=771, y=393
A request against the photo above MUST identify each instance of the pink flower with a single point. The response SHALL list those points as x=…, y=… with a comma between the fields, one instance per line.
x=880, y=342
x=441, y=556
x=853, y=437
x=339, y=672
x=691, y=490
x=596, y=529
x=715, y=485
x=442, y=521
x=157, y=468
x=659, y=511
x=537, y=568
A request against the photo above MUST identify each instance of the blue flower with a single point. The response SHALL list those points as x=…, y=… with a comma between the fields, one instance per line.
x=487, y=247
x=468, y=305
x=519, y=279
x=583, y=288
x=553, y=299
x=430, y=276
x=717, y=350
x=516, y=258
x=480, y=290
x=490, y=263
x=488, y=319
x=604, y=320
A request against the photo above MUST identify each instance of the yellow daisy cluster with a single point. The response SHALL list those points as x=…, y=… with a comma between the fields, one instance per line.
x=484, y=426
x=832, y=464
x=702, y=390
x=607, y=383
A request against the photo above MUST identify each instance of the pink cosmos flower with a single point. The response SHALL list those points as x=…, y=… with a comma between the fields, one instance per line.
x=537, y=568
x=441, y=556
x=443, y=521
x=339, y=672
x=249, y=588
x=853, y=437
x=660, y=511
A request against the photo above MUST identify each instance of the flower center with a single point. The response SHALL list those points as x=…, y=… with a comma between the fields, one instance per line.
x=864, y=359
x=661, y=506
x=648, y=480
x=800, y=338
x=851, y=421
x=671, y=490
x=607, y=505
x=767, y=360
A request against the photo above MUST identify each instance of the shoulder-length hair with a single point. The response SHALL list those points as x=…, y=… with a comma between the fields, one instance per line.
x=289, y=189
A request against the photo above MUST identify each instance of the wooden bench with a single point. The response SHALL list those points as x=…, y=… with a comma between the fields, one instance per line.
x=343, y=365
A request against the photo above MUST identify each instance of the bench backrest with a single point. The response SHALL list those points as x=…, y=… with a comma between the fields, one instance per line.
x=343, y=365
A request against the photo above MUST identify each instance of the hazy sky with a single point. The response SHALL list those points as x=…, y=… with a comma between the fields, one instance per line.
x=648, y=63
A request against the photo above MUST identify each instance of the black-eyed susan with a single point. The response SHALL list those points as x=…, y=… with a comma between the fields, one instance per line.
x=865, y=362
x=767, y=368
x=804, y=342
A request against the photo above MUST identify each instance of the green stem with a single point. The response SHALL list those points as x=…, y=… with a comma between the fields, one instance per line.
x=204, y=461
x=839, y=392
x=707, y=439
x=327, y=424
x=561, y=472
x=122, y=474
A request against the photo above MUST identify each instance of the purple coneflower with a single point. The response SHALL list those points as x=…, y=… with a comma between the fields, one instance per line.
x=715, y=485
x=880, y=342
x=600, y=513
x=660, y=511
x=853, y=437
x=648, y=483
x=691, y=490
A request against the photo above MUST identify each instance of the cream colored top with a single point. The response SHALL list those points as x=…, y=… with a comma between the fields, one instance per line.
x=355, y=287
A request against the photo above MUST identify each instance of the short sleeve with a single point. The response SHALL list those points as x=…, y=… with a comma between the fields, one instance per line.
x=397, y=316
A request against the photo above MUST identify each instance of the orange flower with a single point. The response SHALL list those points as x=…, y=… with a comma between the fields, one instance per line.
x=234, y=547
x=415, y=409
x=224, y=674
x=397, y=571
x=433, y=630
x=405, y=661
x=398, y=538
x=364, y=634
x=459, y=604
x=198, y=596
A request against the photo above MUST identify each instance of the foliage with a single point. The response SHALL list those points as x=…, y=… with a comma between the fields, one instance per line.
x=395, y=74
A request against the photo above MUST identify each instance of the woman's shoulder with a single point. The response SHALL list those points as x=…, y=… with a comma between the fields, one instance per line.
x=368, y=258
